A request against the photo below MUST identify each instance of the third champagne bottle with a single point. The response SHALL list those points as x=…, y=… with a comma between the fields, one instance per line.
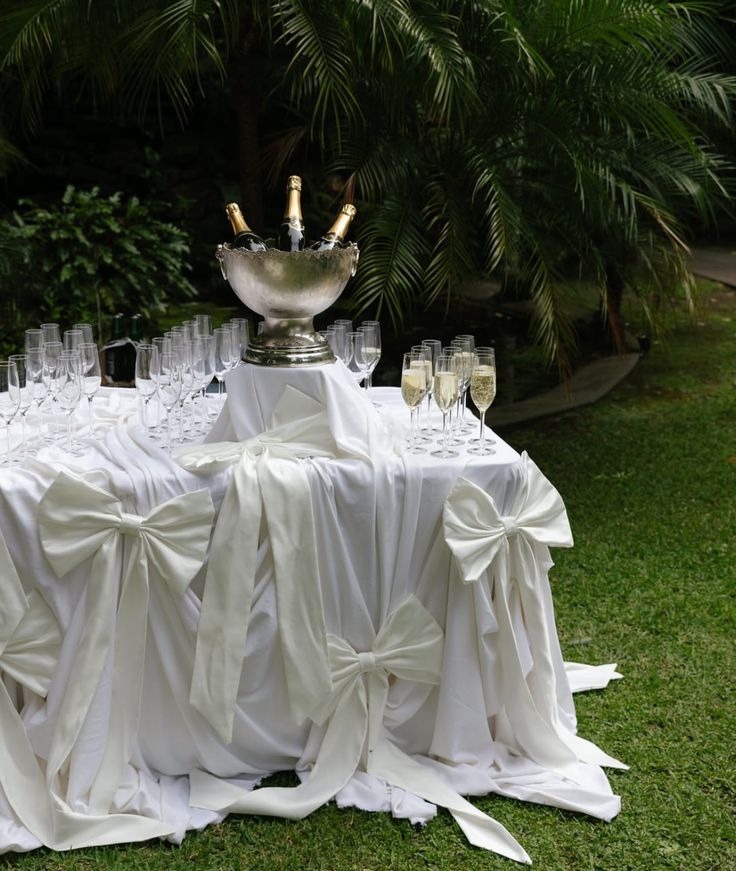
x=335, y=236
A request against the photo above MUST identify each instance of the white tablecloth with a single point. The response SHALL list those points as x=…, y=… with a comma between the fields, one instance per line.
x=379, y=539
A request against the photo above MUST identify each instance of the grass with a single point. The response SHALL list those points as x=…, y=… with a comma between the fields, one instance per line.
x=649, y=478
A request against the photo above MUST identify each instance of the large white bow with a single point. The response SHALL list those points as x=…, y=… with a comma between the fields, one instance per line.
x=266, y=472
x=481, y=538
x=409, y=646
x=78, y=521
x=29, y=649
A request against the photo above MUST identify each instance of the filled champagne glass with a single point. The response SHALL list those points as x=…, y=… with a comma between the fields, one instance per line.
x=421, y=358
x=434, y=346
x=483, y=392
x=446, y=392
x=413, y=391
x=9, y=399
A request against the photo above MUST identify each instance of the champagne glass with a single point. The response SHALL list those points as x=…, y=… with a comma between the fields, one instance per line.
x=242, y=325
x=483, y=392
x=34, y=365
x=68, y=378
x=52, y=351
x=91, y=376
x=73, y=339
x=9, y=399
x=372, y=329
x=434, y=347
x=329, y=336
x=224, y=352
x=466, y=344
x=357, y=363
x=203, y=323
x=342, y=346
x=88, y=333
x=33, y=339
x=422, y=359
x=204, y=357
x=183, y=357
x=25, y=383
x=168, y=388
x=446, y=391
x=413, y=390
x=144, y=381
x=50, y=333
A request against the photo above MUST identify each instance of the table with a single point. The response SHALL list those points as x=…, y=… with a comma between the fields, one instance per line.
x=373, y=540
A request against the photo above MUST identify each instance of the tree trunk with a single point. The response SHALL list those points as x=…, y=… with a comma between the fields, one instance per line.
x=245, y=78
x=614, y=325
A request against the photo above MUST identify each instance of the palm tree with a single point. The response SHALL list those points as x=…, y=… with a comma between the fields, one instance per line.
x=530, y=141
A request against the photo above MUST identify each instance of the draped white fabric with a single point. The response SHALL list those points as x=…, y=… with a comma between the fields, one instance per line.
x=361, y=527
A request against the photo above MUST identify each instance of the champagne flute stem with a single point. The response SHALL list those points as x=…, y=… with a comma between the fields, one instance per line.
x=22, y=432
x=445, y=433
x=91, y=418
x=145, y=415
x=69, y=431
x=412, y=439
x=181, y=421
x=7, y=441
x=482, y=431
x=168, y=430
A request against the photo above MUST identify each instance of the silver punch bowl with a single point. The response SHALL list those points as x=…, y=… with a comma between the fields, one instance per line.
x=288, y=288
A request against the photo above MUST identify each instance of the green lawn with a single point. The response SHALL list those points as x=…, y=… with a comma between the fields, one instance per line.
x=649, y=478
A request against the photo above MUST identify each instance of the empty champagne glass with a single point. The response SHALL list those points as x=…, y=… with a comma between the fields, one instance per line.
x=88, y=333
x=413, y=391
x=446, y=392
x=372, y=330
x=183, y=357
x=52, y=351
x=204, y=369
x=224, y=352
x=168, y=388
x=33, y=339
x=73, y=339
x=242, y=325
x=9, y=399
x=357, y=363
x=50, y=333
x=144, y=377
x=25, y=382
x=34, y=365
x=203, y=323
x=91, y=376
x=68, y=388
x=483, y=392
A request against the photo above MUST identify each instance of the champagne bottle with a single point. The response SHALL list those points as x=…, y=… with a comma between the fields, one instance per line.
x=291, y=231
x=244, y=237
x=335, y=236
x=114, y=350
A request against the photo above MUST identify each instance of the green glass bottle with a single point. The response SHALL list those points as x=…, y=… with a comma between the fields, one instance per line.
x=335, y=236
x=291, y=232
x=243, y=237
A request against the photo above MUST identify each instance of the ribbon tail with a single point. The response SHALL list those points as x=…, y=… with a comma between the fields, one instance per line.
x=298, y=593
x=529, y=579
x=130, y=651
x=337, y=760
x=20, y=776
x=395, y=767
x=226, y=603
x=73, y=830
x=535, y=734
x=583, y=677
x=89, y=658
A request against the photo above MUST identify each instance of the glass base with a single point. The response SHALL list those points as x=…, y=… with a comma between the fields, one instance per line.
x=414, y=450
x=485, y=451
x=444, y=454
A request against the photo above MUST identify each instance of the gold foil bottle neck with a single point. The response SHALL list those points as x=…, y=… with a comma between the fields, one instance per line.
x=294, y=183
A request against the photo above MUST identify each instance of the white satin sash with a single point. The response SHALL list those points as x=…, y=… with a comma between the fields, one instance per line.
x=266, y=473
x=78, y=521
x=29, y=648
x=409, y=646
x=481, y=539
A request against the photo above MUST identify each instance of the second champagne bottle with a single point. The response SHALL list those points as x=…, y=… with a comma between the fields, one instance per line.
x=291, y=232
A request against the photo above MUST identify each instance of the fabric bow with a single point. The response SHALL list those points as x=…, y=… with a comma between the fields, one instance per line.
x=266, y=472
x=29, y=649
x=78, y=521
x=481, y=538
x=408, y=646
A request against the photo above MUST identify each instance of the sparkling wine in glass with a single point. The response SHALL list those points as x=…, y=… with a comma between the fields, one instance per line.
x=483, y=392
x=413, y=391
x=446, y=392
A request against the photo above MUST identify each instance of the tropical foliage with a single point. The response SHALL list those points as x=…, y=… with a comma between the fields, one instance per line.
x=533, y=142
x=88, y=257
